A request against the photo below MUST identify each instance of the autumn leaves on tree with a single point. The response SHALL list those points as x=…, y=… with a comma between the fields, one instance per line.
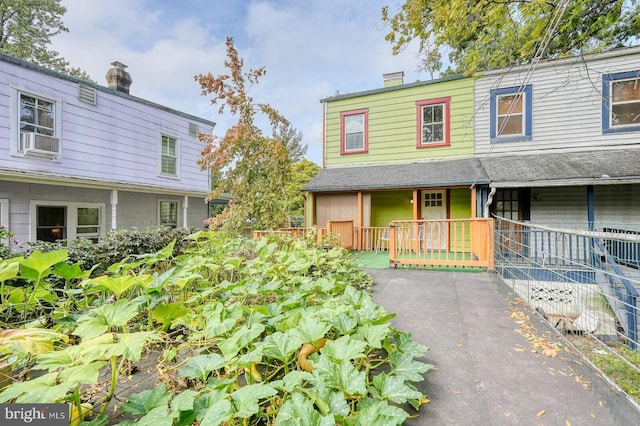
x=249, y=165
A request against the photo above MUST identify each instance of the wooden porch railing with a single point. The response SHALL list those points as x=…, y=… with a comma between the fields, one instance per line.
x=445, y=242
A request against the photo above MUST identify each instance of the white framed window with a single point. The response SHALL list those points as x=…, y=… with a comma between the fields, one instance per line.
x=52, y=220
x=354, y=131
x=38, y=125
x=169, y=156
x=168, y=213
x=433, y=122
x=511, y=114
x=621, y=102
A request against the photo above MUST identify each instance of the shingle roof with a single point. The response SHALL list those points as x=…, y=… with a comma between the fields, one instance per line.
x=542, y=169
x=399, y=176
x=564, y=168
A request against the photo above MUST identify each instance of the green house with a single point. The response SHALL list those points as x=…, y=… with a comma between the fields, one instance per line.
x=400, y=152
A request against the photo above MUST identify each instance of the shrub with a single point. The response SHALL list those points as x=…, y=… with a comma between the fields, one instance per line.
x=117, y=245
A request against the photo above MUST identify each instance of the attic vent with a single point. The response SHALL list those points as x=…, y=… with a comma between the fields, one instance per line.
x=87, y=94
x=193, y=129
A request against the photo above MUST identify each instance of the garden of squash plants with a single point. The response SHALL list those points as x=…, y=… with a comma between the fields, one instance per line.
x=226, y=331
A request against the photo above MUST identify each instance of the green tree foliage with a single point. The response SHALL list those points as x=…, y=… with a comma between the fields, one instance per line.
x=301, y=174
x=486, y=34
x=26, y=29
x=253, y=168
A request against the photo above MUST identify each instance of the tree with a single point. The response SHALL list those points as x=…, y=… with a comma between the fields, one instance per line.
x=253, y=168
x=486, y=34
x=26, y=29
x=301, y=174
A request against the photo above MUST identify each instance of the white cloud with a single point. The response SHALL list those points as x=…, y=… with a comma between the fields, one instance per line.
x=310, y=49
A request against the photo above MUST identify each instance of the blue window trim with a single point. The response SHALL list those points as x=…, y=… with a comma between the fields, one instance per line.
x=528, y=112
x=606, y=97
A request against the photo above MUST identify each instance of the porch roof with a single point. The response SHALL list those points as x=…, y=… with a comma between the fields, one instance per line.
x=604, y=167
x=440, y=173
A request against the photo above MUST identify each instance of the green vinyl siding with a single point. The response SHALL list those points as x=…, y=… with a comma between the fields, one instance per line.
x=387, y=206
x=460, y=208
x=459, y=203
x=392, y=122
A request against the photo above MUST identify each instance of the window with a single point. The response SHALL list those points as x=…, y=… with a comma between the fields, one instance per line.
x=169, y=156
x=353, y=132
x=168, y=213
x=36, y=115
x=621, y=102
x=433, y=122
x=66, y=221
x=38, y=126
x=511, y=114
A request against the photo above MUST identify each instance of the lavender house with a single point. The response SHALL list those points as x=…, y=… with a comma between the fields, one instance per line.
x=77, y=158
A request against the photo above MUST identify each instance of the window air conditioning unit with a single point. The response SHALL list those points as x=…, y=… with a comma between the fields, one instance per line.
x=37, y=145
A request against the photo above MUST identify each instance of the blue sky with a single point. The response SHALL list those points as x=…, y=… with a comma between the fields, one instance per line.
x=310, y=48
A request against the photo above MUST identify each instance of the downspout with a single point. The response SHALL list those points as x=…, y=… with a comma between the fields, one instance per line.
x=485, y=212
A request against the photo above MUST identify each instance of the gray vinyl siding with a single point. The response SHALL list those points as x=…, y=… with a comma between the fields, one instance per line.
x=617, y=204
x=559, y=205
x=614, y=204
x=134, y=209
x=567, y=104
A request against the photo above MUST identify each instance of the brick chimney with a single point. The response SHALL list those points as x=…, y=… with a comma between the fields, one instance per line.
x=393, y=79
x=118, y=78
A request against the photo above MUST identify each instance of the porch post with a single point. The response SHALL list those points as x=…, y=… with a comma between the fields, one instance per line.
x=360, y=214
x=473, y=201
x=416, y=204
x=114, y=208
x=185, y=210
x=591, y=207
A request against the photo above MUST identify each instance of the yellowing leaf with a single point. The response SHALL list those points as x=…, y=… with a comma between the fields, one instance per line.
x=541, y=413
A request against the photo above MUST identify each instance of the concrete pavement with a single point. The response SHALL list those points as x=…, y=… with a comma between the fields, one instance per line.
x=487, y=372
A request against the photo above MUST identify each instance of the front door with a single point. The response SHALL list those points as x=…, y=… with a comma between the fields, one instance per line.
x=434, y=207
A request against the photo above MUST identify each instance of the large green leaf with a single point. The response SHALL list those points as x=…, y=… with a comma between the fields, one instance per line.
x=8, y=270
x=405, y=366
x=299, y=411
x=43, y=389
x=281, y=345
x=218, y=413
x=199, y=367
x=34, y=341
x=240, y=339
x=394, y=388
x=118, y=284
x=245, y=399
x=167, y=313
x=105, y=317
x=40, y=263
x=344, y=376
x=405, y=344
x=345, y=324
x=143, y=402
x=221, y=319
x=70, y=272
x=311, y=329
x=159, y=416
x=375, y=412
x=374, y=335
x=81, y=374
x=344, y=349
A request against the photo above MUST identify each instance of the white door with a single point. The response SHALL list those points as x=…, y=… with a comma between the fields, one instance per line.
x=434, y=207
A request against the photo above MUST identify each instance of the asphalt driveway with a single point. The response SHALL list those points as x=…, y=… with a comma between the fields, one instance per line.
x=488, y=371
